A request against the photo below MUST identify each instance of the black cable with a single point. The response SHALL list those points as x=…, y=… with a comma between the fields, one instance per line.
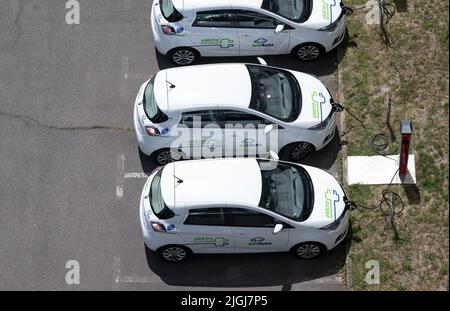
x=378, y=142
x=387, y=11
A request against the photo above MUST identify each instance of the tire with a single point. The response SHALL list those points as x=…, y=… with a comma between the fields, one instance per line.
x=309, y=51
x=166, y=156
x=184, y=56
x=174, y=253
x=309, y=250
x=296, y=151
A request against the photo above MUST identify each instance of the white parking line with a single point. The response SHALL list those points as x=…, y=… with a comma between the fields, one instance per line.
x=122, y=175
x=130, y=279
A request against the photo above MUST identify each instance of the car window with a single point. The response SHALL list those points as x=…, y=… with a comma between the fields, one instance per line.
x=275, y=92
x=216, y=18
x=157, y=203
x=250, y=19
x=151, y=106
x=168, y=10
x=238, y=117
x=247, y=218
x=286, y=190
x=206, y=217
x=295, y=10
x=199, y=119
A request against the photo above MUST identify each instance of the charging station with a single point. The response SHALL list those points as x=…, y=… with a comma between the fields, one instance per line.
x=384, y=170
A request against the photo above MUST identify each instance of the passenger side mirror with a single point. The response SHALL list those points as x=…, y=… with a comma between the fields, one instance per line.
x=277, y=229
x=268, y=129
x=279, y=29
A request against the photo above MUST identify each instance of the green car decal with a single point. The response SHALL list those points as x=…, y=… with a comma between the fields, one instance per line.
x=216, y=241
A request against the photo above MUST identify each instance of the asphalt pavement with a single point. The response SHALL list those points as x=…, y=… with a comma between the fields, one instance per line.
x=70, y=170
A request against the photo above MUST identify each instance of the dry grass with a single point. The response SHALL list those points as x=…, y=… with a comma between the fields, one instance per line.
x=415, y=71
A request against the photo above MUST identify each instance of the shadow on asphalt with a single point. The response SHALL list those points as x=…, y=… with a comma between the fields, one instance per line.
x=246, y=270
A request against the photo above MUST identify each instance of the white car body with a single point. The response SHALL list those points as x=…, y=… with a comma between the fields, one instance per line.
x=182, y=90
x=190, y=188
x=242, y=39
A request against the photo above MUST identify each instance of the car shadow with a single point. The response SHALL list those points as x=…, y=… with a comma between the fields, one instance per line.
x=246, y=270
x=326, y=65
x=326, y=157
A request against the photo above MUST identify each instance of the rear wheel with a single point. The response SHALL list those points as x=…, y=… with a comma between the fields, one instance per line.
x=174, y=253
x=309, y=51
x=184, y=56
x=309, y=250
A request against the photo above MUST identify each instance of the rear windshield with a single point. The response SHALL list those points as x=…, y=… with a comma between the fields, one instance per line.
x=295, y=10
x=159, y=208
x=150, y=106
x=169, y=11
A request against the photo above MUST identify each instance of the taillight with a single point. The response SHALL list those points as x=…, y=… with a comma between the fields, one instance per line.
x=168, y=30
x=156, y=226
x=152, y=131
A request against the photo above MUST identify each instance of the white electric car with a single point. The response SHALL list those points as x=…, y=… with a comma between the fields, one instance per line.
x=232, y=110
x=242, y=205
x=185, y=30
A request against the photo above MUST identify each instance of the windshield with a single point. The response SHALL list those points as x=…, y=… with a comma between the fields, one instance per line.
x=156, y=199
x=286, y=190
x=294, y=10
x=150, y=106
x=169, y=11
x=275, y=92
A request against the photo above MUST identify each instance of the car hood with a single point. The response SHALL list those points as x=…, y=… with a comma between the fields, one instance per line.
x=324, y=13
x=316, y=100
x=328, y=198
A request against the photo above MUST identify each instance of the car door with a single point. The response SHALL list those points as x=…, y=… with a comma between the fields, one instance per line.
x=243, y=132
x=253, y=232
x=198, y=134
x=256, y=32
x=205, y=231
x=213, y=33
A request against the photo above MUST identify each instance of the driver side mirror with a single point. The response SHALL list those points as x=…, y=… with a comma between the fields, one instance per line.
x=277, y=229
x=279, y=29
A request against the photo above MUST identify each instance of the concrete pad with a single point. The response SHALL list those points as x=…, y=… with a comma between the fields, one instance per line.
x=379, y=170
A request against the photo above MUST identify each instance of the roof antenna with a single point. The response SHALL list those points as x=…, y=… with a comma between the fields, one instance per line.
x=171, y=85
x=179, y=180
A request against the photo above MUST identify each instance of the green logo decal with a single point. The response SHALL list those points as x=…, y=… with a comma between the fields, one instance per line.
x=328, y=204
x=315, y=105
x=216, y=241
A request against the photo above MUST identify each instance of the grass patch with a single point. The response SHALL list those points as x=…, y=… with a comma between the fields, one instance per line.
x=414, y=73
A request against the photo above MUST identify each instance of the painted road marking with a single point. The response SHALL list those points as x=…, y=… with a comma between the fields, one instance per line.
x=130, y=279
x=122, y=176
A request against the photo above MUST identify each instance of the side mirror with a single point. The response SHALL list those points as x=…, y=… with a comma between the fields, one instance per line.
x=274, y=155
x=279, y=29
x=262, y=61
x=268, y=129
x=277, y=229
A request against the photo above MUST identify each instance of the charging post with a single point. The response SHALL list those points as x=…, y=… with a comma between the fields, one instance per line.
x=406, y=131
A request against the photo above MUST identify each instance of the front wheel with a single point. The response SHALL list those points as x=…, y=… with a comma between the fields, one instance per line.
x=309, y=250
x=174, y=253
x=183, y=56
x=297, y=151
x=309, y=51
x=166, y=156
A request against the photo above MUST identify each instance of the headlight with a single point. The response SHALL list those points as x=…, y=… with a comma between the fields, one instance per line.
x=335, y=224
x=331, y=27
x=323, y=124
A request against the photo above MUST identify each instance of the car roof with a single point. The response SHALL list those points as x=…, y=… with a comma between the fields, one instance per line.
x=202, y=86
x=202, y=4
x=212, y=182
